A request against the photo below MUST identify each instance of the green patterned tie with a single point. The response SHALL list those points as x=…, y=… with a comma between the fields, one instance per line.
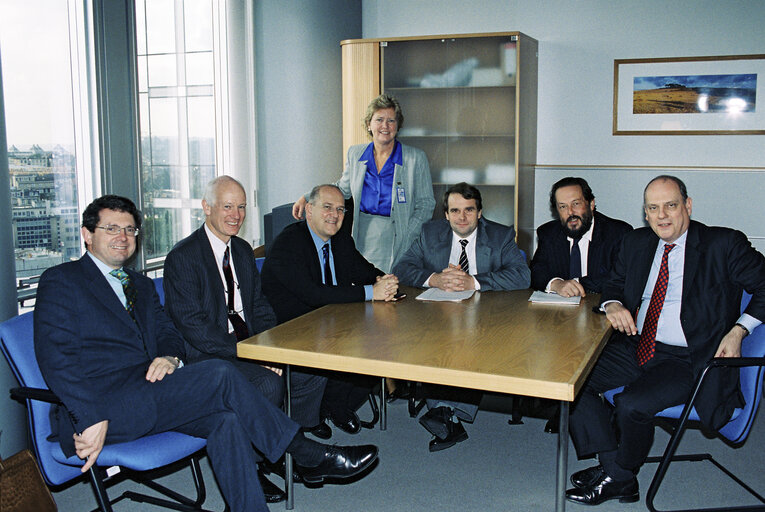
x=128, y=288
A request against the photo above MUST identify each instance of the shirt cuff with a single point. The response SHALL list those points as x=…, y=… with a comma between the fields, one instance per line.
x=476, y=284
x=606, y=303
x=547, y=289
x=748, y=321
x=368, y=292
x=427, y=281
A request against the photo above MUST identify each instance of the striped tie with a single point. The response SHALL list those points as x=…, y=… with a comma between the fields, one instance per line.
x=464, y=265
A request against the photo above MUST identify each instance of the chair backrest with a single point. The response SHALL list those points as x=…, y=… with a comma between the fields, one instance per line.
x=160, y=289
x=17, y=343
x=751, y=382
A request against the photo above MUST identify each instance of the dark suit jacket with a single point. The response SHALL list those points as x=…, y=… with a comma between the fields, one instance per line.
x=292, y=275
x=500, y=264
x=196, y=301
x=719, y=263
x=552, y=256
x=92, y=353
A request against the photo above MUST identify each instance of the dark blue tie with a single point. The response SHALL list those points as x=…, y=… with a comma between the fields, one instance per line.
x=327, y=269
x=575, y=262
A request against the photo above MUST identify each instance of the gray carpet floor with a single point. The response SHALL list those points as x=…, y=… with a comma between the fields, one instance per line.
x=499, y=468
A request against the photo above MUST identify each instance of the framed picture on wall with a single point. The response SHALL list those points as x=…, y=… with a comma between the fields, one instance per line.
x=722, y=95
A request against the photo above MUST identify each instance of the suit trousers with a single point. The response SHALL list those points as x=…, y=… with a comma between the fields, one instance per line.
x=212, y=400
x=628, y=428
x=307, y=390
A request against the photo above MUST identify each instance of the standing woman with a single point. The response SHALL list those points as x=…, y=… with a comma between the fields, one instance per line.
x=390, y=185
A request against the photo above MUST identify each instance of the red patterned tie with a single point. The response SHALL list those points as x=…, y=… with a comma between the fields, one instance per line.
x=647, y=344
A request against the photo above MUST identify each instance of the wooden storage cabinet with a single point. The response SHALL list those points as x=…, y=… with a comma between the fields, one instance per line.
x=469, y=102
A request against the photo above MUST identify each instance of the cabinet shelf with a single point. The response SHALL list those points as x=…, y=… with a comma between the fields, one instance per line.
x=453, y=136
x=394, y=90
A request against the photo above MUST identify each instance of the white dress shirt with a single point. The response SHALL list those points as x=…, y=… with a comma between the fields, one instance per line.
x=218, y=248
x=584, y=250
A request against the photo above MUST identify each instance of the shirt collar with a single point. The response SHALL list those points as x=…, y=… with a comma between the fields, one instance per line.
x=317, y=241
x=103, y=267
x=218, y=246
x=397, y=157
x=470, y=238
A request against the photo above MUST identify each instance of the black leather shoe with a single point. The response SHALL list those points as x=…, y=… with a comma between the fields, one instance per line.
x=322, y=430
x=272, y=493
x=436, y=421
x=587, y=477
x=551, y=427
x=340, y=462
x=456, y=435
x=349, y=423
x=605, y=489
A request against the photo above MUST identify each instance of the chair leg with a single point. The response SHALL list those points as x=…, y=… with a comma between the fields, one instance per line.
x=670, y=456
x=99, y=489
x=516, y=416
x=375, y=412
x=414, y=405
x=180, y=502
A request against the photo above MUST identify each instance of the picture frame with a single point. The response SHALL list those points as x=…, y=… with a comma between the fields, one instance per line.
x=690, y=96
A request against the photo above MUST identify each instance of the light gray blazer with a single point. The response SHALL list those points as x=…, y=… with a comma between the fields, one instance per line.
x=499, y=263
x=413, y=176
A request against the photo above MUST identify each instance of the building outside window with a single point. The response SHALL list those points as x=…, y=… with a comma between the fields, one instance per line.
x=181, y=77
x=45, y=70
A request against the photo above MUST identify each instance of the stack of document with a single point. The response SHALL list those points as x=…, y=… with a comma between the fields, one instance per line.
x=552, y=298
x=440, y=295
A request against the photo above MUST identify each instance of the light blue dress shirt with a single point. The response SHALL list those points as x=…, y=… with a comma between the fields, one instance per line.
x=319, y=243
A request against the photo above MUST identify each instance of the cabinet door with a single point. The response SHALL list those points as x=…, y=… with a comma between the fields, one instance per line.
x=458, y=96
x=361, y=84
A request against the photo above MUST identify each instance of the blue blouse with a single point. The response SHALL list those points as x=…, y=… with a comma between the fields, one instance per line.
x=377, y=193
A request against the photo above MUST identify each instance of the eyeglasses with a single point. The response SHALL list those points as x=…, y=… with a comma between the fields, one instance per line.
x=116, y=230
x=328, y=208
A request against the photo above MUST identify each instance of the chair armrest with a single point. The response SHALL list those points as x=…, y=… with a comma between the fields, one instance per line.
x=44, y=395
x=735, y=362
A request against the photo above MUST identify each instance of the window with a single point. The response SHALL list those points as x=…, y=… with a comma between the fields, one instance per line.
x=181, y=80
x=45, y=72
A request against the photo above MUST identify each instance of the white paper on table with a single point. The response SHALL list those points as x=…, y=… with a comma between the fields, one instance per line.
x=437, y=294
x=553, y=298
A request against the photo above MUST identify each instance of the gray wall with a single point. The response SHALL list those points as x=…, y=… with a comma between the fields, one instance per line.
x=578, y=42
x=298, y=76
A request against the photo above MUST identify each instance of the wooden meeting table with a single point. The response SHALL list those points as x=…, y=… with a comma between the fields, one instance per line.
x=494, y=341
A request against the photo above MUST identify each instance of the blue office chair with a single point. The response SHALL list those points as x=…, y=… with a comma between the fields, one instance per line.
x=137, y=457
x=733, y=433
x=160, y=289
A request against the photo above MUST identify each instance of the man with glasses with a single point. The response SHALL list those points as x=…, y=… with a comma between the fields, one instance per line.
x=576, y=250
x=212, y=293
x=114, y=358
x=311, y=264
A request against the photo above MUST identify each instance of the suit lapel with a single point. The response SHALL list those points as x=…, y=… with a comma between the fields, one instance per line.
x=693, y=251
x=644, y=258
x=596, y=244
x=443, y=250
x=243, y=275
x=310, y=251
x=482, y=249
x=215, y=284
